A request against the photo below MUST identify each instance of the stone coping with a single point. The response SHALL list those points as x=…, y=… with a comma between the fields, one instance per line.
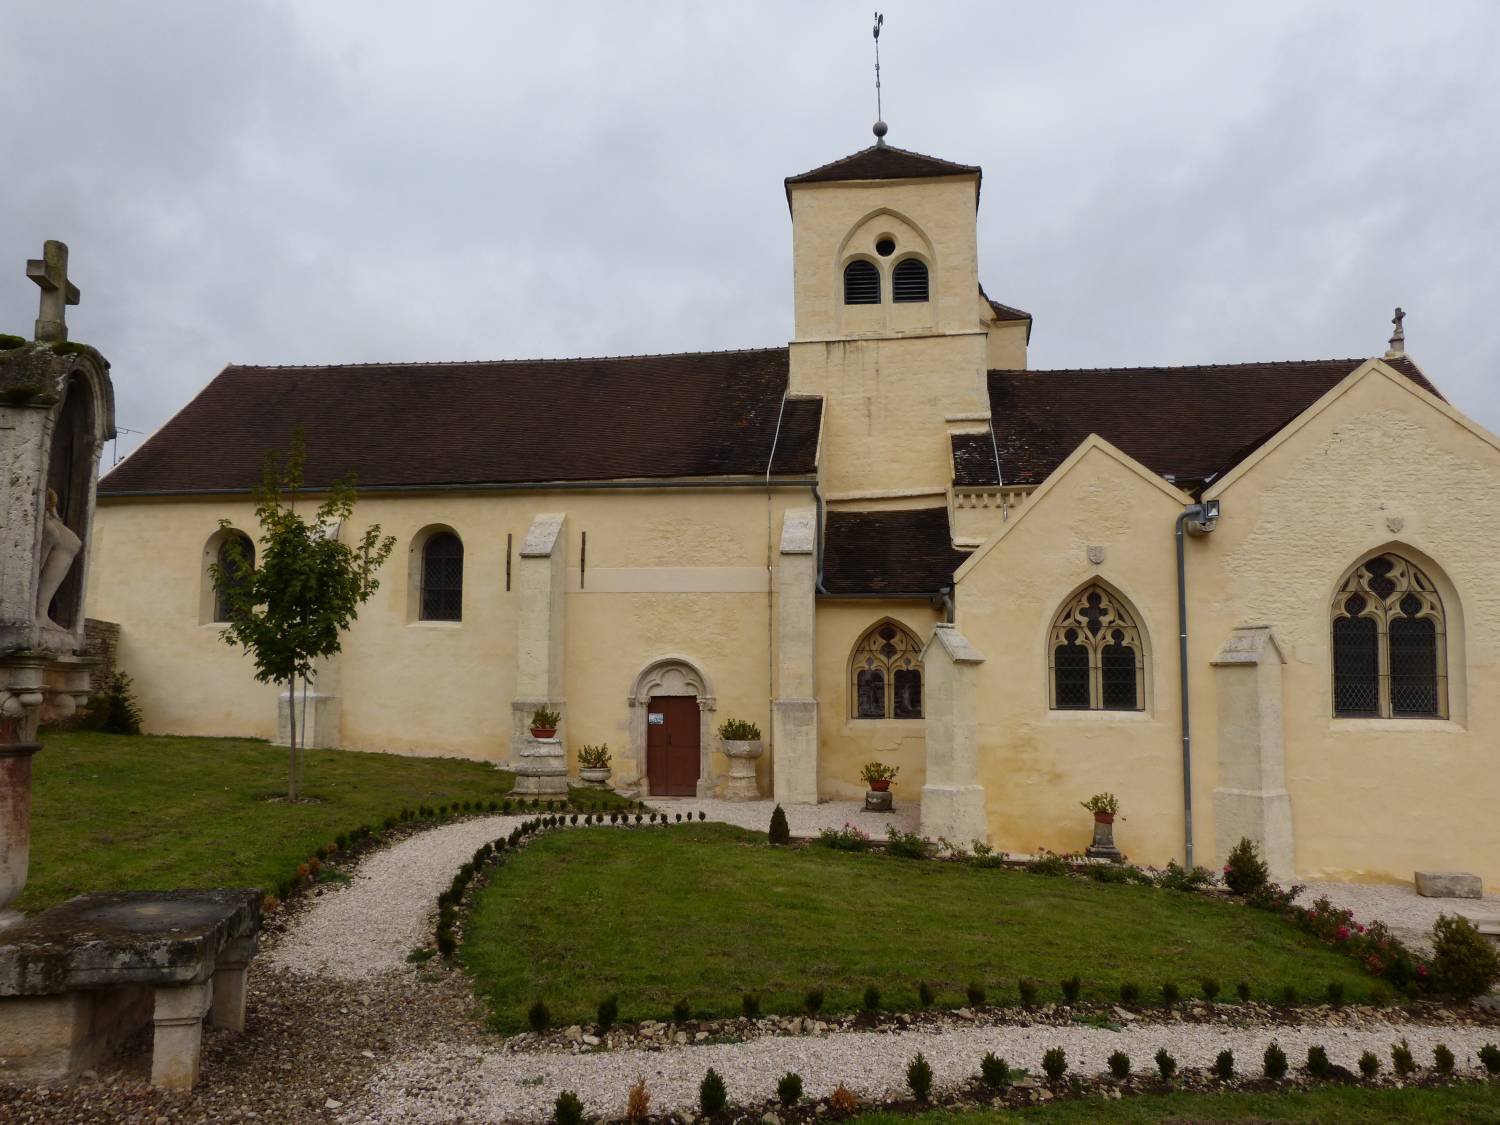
x=125, y=937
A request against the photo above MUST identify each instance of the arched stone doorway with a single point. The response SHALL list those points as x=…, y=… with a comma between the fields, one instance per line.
x=669, y=680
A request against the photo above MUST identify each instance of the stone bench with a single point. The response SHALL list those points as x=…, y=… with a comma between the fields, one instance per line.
x=1448, y=884
x=79, y=979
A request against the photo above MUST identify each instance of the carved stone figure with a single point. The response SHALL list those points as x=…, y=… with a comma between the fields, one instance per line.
x=60, y=546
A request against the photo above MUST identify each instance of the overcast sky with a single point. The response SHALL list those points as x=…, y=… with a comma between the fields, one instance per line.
x=354, y=180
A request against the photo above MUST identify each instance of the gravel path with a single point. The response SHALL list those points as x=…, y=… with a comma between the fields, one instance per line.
x=1408, y=914
x=448, y=1083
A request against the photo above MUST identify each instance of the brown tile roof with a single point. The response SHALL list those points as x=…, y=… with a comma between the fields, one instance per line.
x=1003, y=312
x=1188, y=422
x=411, y=425
x=900, y=551
x=884, y=162
x=973, y=460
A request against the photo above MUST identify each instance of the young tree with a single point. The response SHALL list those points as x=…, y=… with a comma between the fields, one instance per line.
x=290, y=610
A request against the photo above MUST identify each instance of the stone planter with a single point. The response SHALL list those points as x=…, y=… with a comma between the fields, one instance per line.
x=595, y=777
x=742, y=784
x=879, y=800
x=542, y=770
x=1103, y=846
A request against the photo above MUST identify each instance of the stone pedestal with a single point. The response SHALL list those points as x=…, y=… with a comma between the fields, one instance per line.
x=742, y=784
x=15, y=825
x=878, y=800
x=1103, y=846
x=318, y=717
x=542, y=770
x=178, y=1038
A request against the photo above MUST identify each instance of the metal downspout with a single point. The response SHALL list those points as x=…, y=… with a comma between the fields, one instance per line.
x=1182, y=658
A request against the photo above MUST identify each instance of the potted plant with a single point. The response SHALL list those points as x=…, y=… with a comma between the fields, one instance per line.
x=1104, y=806
x=544, y=723
x=742, y=745
x=593, y=765
x=878, y=776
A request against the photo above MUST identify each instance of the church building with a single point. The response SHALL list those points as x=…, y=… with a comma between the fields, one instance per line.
x=1251, y=600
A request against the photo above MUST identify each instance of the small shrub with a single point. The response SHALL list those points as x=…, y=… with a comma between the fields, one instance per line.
x=1335, y=993
x=609, y=1011
x=1275, y=1062
x=1442, y=1059
x=114, y=709
x=1179, y=878
x=1166, y=1065
x=1028, y=990
x=713, y=1095
x=975, y=994
x=1402, y=1061
x=1107, y=873
x=781, y=832
x=1210, y=988
x=750, y=1006
x=1464, y=963
x=919, y=1078
x=870, y=1002
x=447, y=944
x=637, y=1101
x=1243, y=991
x=1224, y=1066
x=1048, y=864
x=1317, y=1062
x=843, y=1100
x=702, y=815
x=907, y=845
x=738, y=730
x=845, y=839
x=1119, y=1065
x=1054, y=1063
x=993, y=1071
x=789, y=1089
x=1245, y=872
x=1170, y=993
x=1489, y=1058
x=567, y=1110
x=538, y=1016
x=1382, y=995
x=924, y=994
x=1130, y=993
x=682, y=1011
x=813, y=1001
x=1071, y=988
x=1369, y=1064
x=986, y=856
x=1289, y=994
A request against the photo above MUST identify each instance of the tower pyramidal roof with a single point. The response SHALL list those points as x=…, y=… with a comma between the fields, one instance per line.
x=885, y=162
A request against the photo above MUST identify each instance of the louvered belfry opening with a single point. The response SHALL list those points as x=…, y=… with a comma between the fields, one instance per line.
x=1389, y=649
x=443, y=578
x=909, y=281
x=861, y=283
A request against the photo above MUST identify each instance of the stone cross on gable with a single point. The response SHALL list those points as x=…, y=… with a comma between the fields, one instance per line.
x=51, y=273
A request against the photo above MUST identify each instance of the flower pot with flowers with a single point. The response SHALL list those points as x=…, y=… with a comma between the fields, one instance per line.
x=742, y=746
x=544, y=723
x=1104, y=806
x=879, y=778
x=593, y=766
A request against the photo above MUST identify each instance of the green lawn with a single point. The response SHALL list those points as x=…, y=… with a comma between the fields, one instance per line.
x=118, y=813
x=707, y=913
x=1471, y=1103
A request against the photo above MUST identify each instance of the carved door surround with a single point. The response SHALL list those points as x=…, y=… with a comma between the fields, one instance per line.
x=673, y=675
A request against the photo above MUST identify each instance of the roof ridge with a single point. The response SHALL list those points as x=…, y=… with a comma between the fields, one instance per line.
x=958, y=169
x=494, y=362
x=1176, y=366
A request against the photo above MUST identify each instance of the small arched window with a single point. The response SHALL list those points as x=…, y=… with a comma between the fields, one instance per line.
x=443, y=578
x=909, y=281
x=1097, y=659
x=885, y=674
x=230, y=579
x=1389, y=644
x=861, y=283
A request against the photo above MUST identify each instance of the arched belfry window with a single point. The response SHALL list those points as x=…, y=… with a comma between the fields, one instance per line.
x=1389, y=644
x=230, y=580
x=885, y=674
x=909, y=281
x=861, y=283
x=443, y=578
x=1097, y=660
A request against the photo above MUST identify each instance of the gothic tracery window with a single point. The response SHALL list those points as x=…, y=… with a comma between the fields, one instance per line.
x=1096, y=656
x=885, y=674
x=1389, y=644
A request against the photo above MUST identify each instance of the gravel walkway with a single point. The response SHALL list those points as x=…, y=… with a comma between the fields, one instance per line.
x=456, y=1084
x=1408, y=914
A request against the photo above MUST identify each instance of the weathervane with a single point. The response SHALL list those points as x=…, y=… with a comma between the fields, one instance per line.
x=880, y=125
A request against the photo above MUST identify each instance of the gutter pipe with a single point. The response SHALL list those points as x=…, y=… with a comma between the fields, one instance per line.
x=1203, y=518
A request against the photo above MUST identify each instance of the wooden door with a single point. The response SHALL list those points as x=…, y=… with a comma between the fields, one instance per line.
x=672, y=745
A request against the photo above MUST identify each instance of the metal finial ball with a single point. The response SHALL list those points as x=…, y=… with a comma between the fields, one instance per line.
x=880, y=129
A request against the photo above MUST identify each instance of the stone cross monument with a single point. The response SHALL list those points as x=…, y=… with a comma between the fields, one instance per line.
x=56, y=413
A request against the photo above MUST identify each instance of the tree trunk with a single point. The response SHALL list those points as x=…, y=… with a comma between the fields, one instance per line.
x=292, y=781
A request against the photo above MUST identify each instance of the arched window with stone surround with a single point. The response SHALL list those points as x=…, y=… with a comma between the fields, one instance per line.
x=1097, y=661
x=443, y=577
x=861, y=283
x=1389, y=643
x=885, y=673
x=230, y=580
x=909, y=281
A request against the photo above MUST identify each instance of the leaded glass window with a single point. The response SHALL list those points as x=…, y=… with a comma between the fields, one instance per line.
x=886, y=674
x=443, y=578
x=1097, y=661
x=230, y=580
x=1389, y=644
